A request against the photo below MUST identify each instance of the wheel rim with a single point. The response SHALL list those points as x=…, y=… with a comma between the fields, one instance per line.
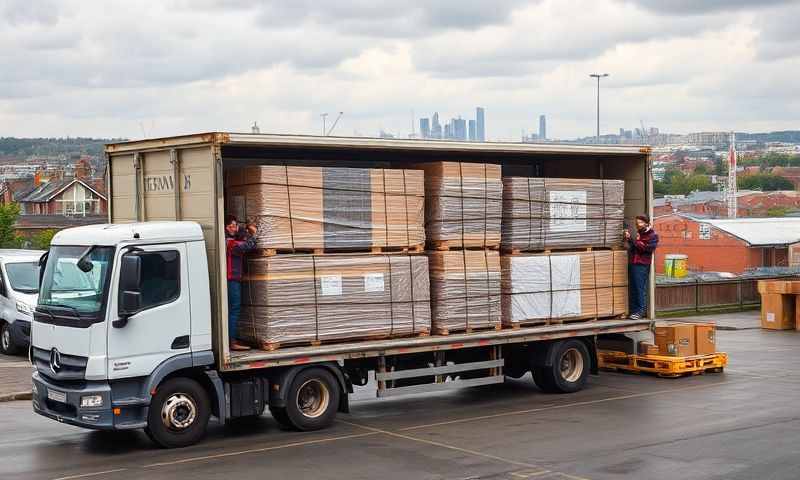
x=313, y=398
x=6, y=338
x=571, y=365
x=179, y=412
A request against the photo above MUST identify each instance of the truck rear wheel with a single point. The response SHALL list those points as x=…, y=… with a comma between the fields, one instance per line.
x=312, y=401
x=179, y=413
x=569, y=370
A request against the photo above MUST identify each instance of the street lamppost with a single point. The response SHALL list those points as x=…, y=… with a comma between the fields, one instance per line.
x=598, y=76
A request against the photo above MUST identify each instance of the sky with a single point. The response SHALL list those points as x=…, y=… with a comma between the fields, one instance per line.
x=138, y=69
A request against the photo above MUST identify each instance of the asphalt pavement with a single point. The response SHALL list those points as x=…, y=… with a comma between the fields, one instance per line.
x=741, y=424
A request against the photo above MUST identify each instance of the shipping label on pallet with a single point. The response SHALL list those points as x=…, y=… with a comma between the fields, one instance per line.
x=568, y=211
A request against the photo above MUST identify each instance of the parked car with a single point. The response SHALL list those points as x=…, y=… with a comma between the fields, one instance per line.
x=19, y=292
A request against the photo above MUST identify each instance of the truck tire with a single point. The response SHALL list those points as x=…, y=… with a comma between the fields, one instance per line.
x=7, y=344
x=569, y=370
x=312, y=401
x=179, y=413
x=280, y=416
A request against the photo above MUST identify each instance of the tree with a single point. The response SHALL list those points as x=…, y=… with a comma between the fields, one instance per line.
x=777, y=211
x=41, y=241
x=701, y=169
x=9, y=212
x=764, y=182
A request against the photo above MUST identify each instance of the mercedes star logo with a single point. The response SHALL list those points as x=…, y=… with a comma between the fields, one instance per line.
x=55, y=360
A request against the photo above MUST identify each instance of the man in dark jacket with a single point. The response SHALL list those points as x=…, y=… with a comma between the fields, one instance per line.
x=641, y=249
x=237, y=244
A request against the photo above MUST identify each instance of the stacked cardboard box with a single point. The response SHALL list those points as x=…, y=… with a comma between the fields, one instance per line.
x=543, y=213
x=779, y=304
x=463, y=203
x=329, y=207
x=305, y=298
x=685, y=339
x=544, y=287
x=465, y=290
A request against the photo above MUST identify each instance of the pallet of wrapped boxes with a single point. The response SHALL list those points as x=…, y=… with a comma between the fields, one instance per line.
x=322, y=209
x=463, y=203
x=465, y=290
x=556, y=287
x=561, y=213
x=308, y=299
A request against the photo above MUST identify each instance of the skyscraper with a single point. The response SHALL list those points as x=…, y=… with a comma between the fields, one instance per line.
x=436, y=127
x=459, y=128
x=542, y=127
x=472, y=131
x=480, y=124
x=425, y=127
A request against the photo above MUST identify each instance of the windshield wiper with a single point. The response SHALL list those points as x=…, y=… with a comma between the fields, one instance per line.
x=61, y=305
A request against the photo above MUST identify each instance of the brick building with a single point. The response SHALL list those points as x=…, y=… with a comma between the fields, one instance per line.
x=727, y=245
x=712, y=204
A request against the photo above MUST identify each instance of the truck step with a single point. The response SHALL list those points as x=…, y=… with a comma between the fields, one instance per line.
x=662, y=366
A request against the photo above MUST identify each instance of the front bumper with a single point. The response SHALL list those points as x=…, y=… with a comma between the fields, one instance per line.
x=70, y=411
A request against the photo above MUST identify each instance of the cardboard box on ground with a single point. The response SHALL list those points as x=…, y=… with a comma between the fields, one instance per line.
x=685, y=339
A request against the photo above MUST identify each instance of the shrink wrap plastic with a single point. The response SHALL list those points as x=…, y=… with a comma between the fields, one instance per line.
x=465, y=289
x=543, y=213
x=303, y=298
x=542, y=287
x=329, y=207
x=463, y=203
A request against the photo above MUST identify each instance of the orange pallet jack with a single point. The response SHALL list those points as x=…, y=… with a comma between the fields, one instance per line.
x=662, y=366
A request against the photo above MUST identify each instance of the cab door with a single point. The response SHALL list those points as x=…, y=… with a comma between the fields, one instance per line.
x=157, y=323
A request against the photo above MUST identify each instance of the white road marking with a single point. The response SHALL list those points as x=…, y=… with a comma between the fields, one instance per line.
x=93, y=474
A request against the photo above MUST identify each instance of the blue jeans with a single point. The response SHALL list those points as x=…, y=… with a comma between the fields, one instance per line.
x=639, y=276
x=234, y=307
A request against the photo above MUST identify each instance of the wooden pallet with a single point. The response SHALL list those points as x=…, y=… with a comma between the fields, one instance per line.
x=272, y=346
x=271, y=252
x=447, y=331
x=662, y=366
x=447, y=245
x=548, y=251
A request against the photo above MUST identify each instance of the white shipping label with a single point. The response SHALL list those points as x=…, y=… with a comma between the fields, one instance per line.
x=770, y=317
x=331, y=285
x=567, y=211
x=373, y=282
x=238, y=208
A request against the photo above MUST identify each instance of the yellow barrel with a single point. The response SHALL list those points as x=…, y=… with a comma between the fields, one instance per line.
x=675, y=265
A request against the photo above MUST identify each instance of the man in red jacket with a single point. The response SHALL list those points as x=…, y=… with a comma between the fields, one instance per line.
x=641, y=249
x=237, y=244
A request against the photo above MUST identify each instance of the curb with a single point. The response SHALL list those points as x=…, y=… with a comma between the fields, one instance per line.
x=10, y=397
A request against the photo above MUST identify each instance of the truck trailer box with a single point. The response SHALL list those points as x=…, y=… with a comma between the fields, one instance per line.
x=184, y=178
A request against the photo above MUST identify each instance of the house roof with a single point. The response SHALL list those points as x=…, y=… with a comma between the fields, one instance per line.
x=36, y=222
x=760, y=231
x=45, y=192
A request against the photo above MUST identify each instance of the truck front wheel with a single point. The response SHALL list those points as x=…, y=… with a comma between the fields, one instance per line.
x=569, y=368
x=7, y=344
x=312, y=401
x=179, y=413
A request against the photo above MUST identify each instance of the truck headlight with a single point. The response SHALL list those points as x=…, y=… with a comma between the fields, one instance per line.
x=24, y=308
x=88, y=401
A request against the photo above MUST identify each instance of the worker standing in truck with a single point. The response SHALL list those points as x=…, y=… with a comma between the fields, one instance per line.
x=641, y=249
x=237, y=244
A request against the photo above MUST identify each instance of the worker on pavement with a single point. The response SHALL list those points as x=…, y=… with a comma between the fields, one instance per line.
x=641, y=249
x=237, y=244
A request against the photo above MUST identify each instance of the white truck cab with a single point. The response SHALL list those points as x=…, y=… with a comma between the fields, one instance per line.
x=19, y=286
x=120, y=308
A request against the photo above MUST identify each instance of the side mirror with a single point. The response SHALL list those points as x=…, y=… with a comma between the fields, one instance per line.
x=42, y=263
x=130, y=287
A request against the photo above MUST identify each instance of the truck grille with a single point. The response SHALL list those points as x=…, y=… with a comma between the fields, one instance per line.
x=73, y=367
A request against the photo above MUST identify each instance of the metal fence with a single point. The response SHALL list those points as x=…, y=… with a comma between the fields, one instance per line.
x=699, y=295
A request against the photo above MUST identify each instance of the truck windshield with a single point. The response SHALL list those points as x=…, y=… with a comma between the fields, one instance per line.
x=65, y=286
x=23, y=276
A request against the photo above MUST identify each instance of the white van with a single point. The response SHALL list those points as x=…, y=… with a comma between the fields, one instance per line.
x=19, y=292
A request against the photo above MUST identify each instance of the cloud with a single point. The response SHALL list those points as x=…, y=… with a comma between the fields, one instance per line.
x=114, y=68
